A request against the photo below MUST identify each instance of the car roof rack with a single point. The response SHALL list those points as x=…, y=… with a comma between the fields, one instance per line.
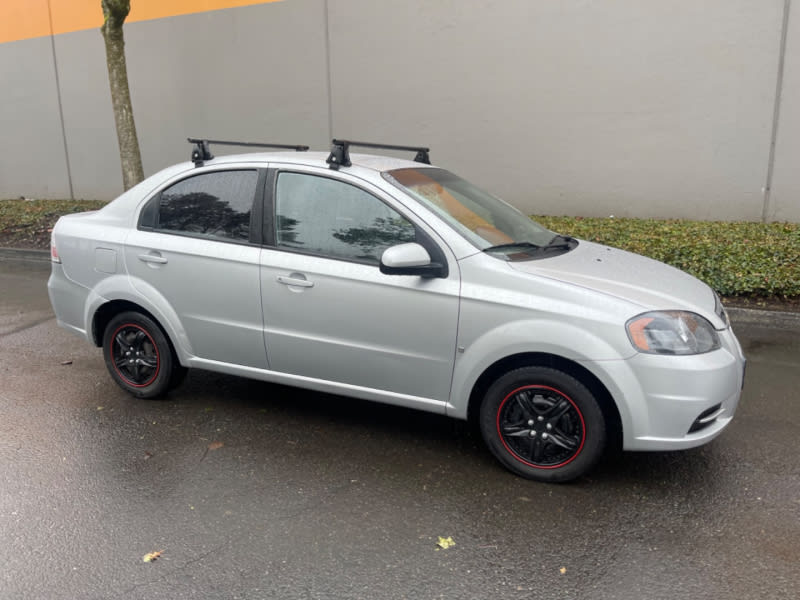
x=340, y=152
x=202, y=150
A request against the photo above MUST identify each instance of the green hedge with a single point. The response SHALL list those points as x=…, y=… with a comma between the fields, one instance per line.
x=25, y=213
x=27, y=223
x=736, y=259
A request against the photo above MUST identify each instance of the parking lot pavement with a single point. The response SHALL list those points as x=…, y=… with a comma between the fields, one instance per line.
x=261, y=491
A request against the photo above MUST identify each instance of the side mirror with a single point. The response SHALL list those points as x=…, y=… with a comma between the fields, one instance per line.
x=409, y=259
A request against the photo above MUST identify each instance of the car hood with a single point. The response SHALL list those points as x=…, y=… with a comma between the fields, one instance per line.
x=637, y=279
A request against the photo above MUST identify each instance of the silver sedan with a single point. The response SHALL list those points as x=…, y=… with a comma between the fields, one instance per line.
x=395, y=281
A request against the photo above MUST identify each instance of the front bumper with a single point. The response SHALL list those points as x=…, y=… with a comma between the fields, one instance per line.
x=677, y=402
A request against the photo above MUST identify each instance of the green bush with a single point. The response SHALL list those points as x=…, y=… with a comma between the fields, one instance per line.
x=23, y=213
x=734, y=258
x=27, y=223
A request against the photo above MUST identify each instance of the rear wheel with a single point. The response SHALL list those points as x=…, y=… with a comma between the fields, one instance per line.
x=543, y=424
x=138, y=355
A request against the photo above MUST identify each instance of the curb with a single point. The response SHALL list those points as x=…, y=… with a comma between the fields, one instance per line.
x=773, y=319
x=24, y=254
x=738, y=316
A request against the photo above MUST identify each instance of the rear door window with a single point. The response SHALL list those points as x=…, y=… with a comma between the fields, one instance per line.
x=216, y=205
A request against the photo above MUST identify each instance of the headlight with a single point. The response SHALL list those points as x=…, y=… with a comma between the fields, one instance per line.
x=672, y=332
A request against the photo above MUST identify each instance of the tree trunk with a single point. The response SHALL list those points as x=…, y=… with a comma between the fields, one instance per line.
x=115, y=12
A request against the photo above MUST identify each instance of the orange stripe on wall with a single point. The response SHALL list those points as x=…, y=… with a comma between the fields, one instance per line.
x=23, y=19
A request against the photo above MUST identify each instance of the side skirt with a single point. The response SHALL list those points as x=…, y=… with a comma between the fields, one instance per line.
x=321, y=385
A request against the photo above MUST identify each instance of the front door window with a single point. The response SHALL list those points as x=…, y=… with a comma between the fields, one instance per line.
x=330, y=218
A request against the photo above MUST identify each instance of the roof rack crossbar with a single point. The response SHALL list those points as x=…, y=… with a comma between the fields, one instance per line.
x=202, y=151
x=340, y=152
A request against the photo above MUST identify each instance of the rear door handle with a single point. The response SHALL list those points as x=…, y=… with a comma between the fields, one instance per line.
x=153, y=258
x=293, y=280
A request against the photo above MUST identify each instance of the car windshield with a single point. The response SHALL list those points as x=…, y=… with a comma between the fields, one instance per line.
x=487, y=222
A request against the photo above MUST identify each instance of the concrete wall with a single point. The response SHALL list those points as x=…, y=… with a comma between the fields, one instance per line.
x=624, y=107
x=784, y=199
x=32, y=157
x=229, y=74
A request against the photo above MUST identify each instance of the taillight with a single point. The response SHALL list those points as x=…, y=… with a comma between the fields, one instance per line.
x=54, y=251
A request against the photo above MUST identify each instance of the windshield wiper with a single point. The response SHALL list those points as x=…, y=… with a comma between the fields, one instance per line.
x=559, y=242
x=565, y=243
x=511, y=246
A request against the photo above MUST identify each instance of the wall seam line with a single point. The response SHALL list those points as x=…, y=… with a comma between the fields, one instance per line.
x=58, y=97
x=776, y=111
x=328, y=68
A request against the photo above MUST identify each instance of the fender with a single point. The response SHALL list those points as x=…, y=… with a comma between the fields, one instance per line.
x=123, y=287
x=529, y=336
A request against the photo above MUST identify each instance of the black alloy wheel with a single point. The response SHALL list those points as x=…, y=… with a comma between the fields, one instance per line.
x=135, y=355
x=138, y=355
x=543, y=424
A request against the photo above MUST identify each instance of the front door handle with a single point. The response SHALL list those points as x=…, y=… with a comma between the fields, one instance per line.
x=296, y=280
x=153, y=258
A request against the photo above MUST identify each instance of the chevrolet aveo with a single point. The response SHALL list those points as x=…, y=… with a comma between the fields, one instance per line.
x=395, y=281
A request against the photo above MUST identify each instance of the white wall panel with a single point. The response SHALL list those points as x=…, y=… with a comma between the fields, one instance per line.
x=639, y=108
x=625, y=107
x=784, y=204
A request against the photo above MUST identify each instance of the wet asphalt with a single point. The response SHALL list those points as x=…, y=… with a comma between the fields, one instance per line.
x=253, y=490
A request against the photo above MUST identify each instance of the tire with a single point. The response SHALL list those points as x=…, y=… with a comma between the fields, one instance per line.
x=543, y=424
x=178, y=374
x=138, y=355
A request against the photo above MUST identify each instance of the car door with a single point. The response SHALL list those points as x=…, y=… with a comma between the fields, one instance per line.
x=331, y=315
x=195, y=252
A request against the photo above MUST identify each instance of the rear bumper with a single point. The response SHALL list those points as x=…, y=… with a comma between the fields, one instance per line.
x=68, y=300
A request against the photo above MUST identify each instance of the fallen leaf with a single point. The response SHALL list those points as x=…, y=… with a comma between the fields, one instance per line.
x=151, y=556
x=99, y=408
x=215, y=445
x=562, y=570
x=445, y=543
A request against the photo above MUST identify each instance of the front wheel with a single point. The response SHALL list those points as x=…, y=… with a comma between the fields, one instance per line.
x=138, y=355
x=543, y=424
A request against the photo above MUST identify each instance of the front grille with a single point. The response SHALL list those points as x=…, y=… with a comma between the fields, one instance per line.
x=706, y=418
